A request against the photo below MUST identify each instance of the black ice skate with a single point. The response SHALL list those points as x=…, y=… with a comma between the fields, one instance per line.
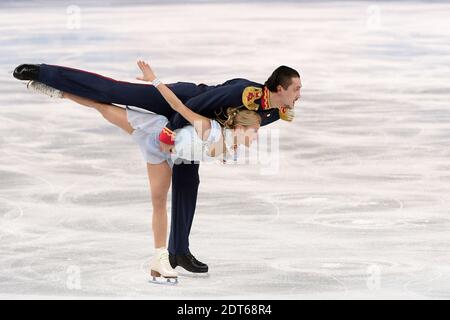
x=188, y=262
x=27, y=72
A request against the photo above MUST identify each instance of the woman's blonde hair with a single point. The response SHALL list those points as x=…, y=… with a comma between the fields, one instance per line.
x=238, y=116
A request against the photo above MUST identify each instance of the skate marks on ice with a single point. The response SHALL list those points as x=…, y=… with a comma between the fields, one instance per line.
x=369, y=212
x=348, y=276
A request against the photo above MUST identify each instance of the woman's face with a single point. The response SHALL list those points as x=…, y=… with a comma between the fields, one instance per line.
x=245, y=135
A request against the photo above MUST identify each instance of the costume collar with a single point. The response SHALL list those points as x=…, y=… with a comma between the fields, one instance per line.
x=265, y=99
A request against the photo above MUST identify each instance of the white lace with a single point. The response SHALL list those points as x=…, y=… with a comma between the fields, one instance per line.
x=164, y=258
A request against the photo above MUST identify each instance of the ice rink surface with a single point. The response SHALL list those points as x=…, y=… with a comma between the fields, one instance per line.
x=353, y=205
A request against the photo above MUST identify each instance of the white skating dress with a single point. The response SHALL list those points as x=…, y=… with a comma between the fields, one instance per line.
x=188, y=144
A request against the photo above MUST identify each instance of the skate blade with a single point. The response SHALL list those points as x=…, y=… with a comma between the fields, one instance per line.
x=164, y=281
x=193, y=275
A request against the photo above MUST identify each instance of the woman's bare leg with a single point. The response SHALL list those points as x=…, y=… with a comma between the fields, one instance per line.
x=160, y=177
x=112, y=113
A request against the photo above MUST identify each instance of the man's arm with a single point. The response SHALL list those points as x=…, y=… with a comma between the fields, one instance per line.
x=214, y=100
x=201, y=124
x=205, y=104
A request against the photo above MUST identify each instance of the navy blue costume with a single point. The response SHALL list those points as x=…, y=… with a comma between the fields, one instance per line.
x=209, y=101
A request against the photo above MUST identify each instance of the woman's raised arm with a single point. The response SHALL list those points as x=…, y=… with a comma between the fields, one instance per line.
x=201, y=124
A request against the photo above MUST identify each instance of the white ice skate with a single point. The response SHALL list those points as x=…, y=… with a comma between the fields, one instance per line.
x=39, y=87
x=161, y=270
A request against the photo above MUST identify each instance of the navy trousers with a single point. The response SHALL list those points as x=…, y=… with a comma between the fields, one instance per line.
x=185, y=178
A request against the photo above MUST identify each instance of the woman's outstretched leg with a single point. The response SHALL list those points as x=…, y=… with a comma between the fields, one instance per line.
x=114, y=114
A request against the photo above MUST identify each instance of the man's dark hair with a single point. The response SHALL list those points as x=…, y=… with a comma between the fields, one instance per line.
x=281, y=76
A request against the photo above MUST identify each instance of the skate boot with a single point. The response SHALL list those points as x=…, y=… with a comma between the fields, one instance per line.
x=39, y=87
x=27, y=72
x=160, y=268
x=188, y=262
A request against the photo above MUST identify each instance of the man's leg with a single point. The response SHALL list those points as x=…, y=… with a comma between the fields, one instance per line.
x=103, y=89
x=185, y=182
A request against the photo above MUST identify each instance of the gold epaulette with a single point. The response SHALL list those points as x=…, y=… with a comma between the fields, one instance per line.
x=249, y=95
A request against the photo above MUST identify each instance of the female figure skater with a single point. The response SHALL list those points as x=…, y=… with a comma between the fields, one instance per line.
x=203, y=140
